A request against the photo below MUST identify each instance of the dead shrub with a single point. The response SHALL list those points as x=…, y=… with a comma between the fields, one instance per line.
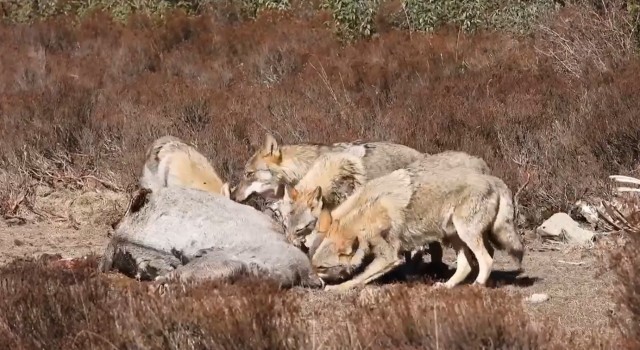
x=47, y=307
x=597, y=35
x=47, y=304
x=625, y=263
x=418, y=317
x=87, y=98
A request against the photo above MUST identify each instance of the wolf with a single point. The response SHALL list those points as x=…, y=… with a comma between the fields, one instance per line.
x=330, y=180
x=334, y=176
x=172, y=162
x=273, y=165
x=408, y=208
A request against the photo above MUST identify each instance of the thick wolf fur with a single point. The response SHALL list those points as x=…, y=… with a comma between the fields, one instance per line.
x=411, y=207
x=184, y=233
x=329, y=181
x=274, y=165
x=173, y=162
x=335, y=176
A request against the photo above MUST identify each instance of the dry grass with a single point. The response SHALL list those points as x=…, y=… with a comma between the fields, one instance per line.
x=84, y=100
x=45, y=306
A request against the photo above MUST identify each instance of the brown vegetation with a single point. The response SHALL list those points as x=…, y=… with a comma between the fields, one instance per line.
x=45, y=306
x=85, y=99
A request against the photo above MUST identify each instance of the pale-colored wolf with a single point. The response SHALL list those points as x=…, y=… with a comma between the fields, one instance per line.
x=173, y=162
x=408, y=208
x=274, y=165
x=330, y=180
x=335, y=176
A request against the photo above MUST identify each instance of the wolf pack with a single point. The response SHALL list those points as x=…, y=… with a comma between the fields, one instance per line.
x=359, y=210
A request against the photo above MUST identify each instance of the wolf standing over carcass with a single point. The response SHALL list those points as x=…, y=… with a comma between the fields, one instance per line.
x=172, y=162
x=272, y=166
x=408, y=208
x=322, y=188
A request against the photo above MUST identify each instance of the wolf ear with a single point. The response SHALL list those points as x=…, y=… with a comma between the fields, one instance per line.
x=290, y=192
x=316, y=198
x=280, y=192
x=270, y=146
x=324, y=222
x=353, y=248
x=225, y=190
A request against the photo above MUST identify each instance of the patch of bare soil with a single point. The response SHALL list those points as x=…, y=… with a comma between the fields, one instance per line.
x=578, y=298
x=61, y=221
x=33, y=240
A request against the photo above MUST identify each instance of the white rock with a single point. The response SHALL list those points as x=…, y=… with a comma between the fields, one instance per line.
x=560, y=226
x=538, y=298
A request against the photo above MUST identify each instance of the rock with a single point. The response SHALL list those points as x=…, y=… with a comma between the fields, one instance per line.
x=538, y=298
x=560, y=226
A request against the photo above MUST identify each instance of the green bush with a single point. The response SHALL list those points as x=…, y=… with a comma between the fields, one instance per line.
x=513, y=15
x=354, y=18
x=25, y=11
x=351, y=19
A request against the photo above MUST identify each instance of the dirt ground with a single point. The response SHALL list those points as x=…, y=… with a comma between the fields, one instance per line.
x=578, y=298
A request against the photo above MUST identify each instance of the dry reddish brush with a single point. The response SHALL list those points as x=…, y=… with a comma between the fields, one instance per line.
x=625, y=262
x=87, y=98
x=46, y=306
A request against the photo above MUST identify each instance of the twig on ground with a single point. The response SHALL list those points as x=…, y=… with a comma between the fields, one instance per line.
x=577, y=263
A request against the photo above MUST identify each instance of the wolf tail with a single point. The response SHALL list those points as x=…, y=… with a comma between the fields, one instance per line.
x=504, y=233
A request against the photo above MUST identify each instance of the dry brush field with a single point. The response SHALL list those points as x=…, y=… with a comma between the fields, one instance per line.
x=81, y=99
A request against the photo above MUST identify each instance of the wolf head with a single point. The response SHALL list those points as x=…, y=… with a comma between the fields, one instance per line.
x=339, y=253
x=259, y=176
x=300, y=211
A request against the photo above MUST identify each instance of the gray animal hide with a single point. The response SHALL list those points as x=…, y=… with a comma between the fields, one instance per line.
x=186, y=233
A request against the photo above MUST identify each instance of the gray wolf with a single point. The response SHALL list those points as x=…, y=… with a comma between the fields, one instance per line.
x=336, y=175
x=274, y=165
x=172, y=162
x=408, y=208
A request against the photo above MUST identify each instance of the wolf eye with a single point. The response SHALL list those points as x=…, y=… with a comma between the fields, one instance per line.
x=249, y=174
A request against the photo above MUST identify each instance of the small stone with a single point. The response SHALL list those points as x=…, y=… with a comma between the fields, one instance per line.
x=561, y=226
x=538, y=298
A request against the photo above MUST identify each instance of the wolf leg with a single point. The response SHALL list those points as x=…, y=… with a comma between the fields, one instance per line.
x=462, y=269
x=211, y=265
x=378, y=267
x=435, y=250
x=471, y=235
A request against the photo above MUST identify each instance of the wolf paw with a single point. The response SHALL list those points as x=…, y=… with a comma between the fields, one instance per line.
x=442, y=285
x=438, y=285
x=478, y=284
x=339, y=287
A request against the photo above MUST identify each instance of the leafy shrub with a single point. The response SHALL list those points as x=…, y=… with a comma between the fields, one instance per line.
x=353, y=18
